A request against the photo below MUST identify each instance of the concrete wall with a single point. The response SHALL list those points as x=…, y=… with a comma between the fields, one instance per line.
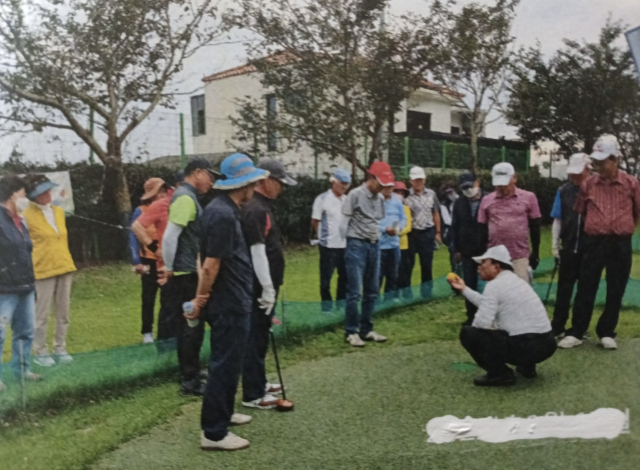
x=431, y=102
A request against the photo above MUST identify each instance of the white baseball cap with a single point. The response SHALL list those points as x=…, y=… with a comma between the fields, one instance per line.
x=577, y=163
x=604, y=149
x=417, y=173
x=502, y=173
x=497, y=253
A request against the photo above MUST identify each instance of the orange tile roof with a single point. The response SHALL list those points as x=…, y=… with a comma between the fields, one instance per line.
x=283, y=57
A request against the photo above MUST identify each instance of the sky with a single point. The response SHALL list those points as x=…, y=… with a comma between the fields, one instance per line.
x=543, y=21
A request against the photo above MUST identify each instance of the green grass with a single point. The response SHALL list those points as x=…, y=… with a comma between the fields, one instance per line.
x=369, y=410
x=78, y=429
x=76, y=438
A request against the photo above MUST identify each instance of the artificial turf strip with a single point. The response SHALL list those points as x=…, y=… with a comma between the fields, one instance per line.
x=368, y=410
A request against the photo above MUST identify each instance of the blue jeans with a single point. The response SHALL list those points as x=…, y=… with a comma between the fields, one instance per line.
x=19, y=312
x=362, y=260
x=422, y=243
x=389, y=269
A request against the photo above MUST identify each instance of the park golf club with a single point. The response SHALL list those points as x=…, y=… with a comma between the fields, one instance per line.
x=283, y=404
x=553, y=276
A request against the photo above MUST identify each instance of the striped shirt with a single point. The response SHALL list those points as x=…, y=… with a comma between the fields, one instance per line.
x=610, y=208
x=423, y=206
x=511, y=305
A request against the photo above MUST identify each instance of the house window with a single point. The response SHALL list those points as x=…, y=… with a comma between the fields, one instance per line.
x=197, y=115
x=455, y=130
x=418, y=122
x=272, y=138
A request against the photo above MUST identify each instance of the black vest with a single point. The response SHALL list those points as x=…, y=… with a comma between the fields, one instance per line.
x=572, y=223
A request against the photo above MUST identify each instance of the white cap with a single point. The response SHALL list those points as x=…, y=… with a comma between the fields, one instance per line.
x=603, y=149
x=502, y=173
x=417, y=173
x=577, y=163
x=497, y=253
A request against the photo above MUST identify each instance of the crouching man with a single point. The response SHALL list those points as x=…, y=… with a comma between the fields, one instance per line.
x=511, y=325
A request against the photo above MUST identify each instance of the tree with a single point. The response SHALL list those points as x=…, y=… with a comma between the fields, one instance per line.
x=476, y=50
x=582, y=92
x=114, y=58
x=337, y=69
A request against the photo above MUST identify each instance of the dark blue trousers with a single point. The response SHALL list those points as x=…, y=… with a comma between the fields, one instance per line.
x=389, y=271
x=229, y=337
x=332, y=259
x=422, y=243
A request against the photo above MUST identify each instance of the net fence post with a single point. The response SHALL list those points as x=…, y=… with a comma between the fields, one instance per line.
x=22, y=379
x=406, y=156
x=183, y=155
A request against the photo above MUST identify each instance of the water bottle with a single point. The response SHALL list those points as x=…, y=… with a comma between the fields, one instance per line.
x=187, y=307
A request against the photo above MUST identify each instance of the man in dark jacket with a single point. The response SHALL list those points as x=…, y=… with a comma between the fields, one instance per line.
x=468, y=236
x=568, y=231
x=17, y=279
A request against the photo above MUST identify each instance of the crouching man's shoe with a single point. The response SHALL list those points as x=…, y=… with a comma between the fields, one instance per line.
x=527, y=372
x=230, y=442
x=506, y=380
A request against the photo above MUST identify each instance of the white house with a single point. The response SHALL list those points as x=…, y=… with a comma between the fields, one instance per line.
x=431, y=108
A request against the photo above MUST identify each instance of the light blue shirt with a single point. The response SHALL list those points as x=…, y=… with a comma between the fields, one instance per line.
x=394, y=214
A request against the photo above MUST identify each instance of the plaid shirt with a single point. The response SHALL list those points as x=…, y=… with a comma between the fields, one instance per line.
x=423, y=206
x=610, y=208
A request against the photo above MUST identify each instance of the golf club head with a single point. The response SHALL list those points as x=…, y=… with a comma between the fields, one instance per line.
x=284, y=405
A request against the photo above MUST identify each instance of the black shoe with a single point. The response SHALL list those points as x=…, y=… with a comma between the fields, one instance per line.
x=192, y=388
x=467, y=323
x=506, y=380
x=527, y=372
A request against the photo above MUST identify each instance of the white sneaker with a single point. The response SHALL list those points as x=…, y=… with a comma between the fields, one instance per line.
x=267, y=402
x=44, y=361
x=3, y=387
x=608, y=343
x=355, y=340
x=275, y=389
x=230, y=442
x=569, y=342
x=373, y=336
x=64, y=357
x=238, y=419
x=147, y=338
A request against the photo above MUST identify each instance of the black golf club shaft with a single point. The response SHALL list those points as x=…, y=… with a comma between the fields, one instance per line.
x=553, y=275
x=275, y=355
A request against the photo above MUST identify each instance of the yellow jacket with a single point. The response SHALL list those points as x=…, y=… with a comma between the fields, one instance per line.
x=404, y=235
x=51, y=256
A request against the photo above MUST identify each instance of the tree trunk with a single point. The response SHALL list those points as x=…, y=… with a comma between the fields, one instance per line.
x=473, y=167
x=115, y=192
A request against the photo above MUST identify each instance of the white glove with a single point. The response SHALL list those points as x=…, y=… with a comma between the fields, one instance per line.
x=268, y=299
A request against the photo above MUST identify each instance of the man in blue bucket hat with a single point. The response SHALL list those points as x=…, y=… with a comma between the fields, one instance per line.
x=226, y=288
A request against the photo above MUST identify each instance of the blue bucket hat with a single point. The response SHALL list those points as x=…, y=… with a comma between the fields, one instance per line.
x=343, y=176
x=39, y=184
x=239, y=171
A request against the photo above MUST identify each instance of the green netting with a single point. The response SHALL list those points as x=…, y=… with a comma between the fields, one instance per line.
x=95, y=372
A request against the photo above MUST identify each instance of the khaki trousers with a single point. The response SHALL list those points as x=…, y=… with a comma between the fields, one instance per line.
x=54, y=290
x=521, y=269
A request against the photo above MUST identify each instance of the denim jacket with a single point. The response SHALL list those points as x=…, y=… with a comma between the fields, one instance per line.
x=16, y=264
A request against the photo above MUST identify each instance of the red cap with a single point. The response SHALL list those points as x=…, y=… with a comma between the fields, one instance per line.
x=382, y=172
x=399, y=186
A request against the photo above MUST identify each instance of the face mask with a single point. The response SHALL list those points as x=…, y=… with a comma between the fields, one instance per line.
x=453, y=197
x=22, y=204
x=471, y=192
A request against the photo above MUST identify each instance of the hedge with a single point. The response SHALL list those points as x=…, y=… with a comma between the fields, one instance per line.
x=92, y=242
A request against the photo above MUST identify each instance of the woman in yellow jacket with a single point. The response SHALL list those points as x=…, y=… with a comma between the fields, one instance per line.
x=52, y=265
x=404, y=273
